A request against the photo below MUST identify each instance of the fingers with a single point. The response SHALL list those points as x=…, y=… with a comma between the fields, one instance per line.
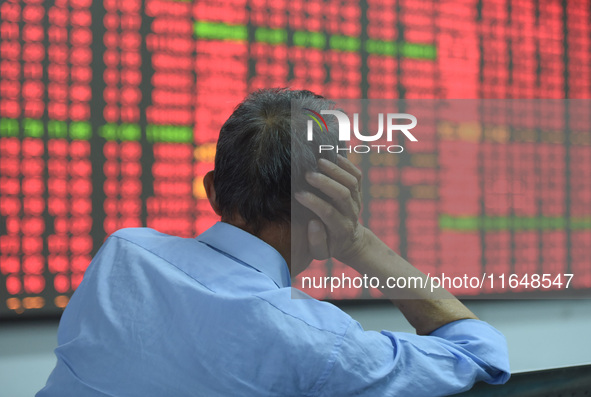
x=341, y=174
x=341, y=183
x=317, y=240
x=338, y=227
x=328, y=214
x=340, y=195
x=348, y=166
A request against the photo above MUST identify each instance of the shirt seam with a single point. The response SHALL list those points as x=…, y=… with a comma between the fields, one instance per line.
x=61, y=357
x=165, y=260
x=331, y=361
x=297, y=318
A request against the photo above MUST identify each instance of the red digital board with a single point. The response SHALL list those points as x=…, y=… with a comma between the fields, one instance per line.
x=109, y=114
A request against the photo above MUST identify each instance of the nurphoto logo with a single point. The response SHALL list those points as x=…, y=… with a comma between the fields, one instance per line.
x=392, y=127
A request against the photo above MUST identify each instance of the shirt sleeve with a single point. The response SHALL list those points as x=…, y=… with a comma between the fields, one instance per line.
x=448, y=361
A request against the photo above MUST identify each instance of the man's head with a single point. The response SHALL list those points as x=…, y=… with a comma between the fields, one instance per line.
x=253, y=162
x=251, y=184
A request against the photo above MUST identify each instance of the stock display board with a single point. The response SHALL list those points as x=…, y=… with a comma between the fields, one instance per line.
x=109, y=113
x=493, y=200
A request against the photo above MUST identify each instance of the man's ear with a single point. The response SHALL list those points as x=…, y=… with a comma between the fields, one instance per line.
x=210, y=191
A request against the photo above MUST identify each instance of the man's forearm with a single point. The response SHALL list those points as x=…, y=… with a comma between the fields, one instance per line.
x=340, y=235
x=425, y=308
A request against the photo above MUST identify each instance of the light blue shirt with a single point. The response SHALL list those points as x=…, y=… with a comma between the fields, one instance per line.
x=158, y=315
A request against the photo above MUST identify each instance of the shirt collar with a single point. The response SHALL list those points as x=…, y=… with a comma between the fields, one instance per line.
x=248, y=250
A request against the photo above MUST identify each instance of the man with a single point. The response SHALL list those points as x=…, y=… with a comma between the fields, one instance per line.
x=158, y=315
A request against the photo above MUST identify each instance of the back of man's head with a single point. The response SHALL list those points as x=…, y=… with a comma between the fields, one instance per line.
x=253, y=162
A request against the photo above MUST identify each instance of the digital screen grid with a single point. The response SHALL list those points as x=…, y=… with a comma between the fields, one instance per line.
x=109, y=114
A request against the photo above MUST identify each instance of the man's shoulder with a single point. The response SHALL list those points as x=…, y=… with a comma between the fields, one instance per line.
x=184, y=253
x=139, y=234
x=152, y=240
x=291, y=302
x=149, y=246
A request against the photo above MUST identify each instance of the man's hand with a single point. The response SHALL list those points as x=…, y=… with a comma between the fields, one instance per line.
x=340, y=235
x=344, y=239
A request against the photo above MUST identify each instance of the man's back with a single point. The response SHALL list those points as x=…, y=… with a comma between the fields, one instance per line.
x=161, y=315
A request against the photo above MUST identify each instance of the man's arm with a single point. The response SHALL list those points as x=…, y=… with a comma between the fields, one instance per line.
x=341, y=236
x=448, y=360
x=424, y=309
